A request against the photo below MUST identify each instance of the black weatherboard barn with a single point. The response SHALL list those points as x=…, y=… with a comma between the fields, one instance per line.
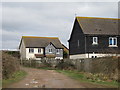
x=94, y=37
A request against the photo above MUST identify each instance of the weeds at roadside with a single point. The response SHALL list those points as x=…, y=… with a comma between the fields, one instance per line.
x=17, y=76
x=81, y=76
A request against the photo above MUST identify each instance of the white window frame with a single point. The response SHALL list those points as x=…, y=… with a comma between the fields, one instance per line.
x=57, y=51
x=39, y=49
x=31, y=50
x=50, y=50
x=113, y=41
x=95, y=43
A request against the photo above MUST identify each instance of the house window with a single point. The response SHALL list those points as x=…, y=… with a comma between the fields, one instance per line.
x=50, y=50
x=31, y=50
x=58, y=51
x=95, y=40
x=113, y=41
x=39, y=50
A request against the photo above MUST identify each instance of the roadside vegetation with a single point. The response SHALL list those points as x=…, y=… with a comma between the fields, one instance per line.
x=103, y=71
x=89, y=77
x=17, y=76
x=70, y=70
x=86, y=77
x=13, y=53
x=11, y=71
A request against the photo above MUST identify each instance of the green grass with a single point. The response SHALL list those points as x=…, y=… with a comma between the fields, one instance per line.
x=17, y=76
x=0, y=83
x=81, y=77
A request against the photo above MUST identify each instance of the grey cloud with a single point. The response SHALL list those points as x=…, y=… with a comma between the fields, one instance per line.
x=60, y=1
x=47, y=19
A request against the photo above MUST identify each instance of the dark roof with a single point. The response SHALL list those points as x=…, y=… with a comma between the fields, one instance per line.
x=92, y=25
x=31, y=41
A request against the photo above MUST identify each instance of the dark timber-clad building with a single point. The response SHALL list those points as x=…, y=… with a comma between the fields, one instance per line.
x=94, y=37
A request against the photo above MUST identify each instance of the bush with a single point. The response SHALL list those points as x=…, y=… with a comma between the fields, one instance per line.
x=13, y=53
x=66, y=65
x=65, y=54
x=96, y=77
x=46, y=63
x=10, y=65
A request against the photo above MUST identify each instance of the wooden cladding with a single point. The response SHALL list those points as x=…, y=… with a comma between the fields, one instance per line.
x=39, y=55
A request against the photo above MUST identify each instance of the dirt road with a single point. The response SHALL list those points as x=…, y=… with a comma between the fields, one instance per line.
x=38, y=78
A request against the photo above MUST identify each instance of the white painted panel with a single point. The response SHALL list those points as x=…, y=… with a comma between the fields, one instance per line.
x=80, y=56
x=32, y=55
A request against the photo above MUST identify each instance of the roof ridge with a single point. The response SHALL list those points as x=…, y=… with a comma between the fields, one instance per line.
x=98, y=18
x=39, y=37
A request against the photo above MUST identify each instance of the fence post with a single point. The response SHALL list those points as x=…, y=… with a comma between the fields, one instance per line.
x=87, y=65
x=78, y=65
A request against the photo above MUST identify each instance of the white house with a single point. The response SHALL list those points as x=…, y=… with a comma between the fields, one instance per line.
x=32, y=47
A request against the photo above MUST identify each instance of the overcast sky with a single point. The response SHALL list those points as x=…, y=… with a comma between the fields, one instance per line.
x=47, y=19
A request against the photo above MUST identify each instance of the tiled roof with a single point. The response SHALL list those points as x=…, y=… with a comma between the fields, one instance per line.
x=32, y=41
x=105, y=26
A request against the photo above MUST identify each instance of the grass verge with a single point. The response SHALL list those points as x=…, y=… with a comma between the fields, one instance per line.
x=82, y=78
x=17, y=76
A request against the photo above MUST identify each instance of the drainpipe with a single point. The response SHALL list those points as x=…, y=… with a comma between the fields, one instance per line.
x=86, y=47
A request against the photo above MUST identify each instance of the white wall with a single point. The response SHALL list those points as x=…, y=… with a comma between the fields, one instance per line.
x=22, y=50
x=59, y=58
x=32, y=55
x=80, y=56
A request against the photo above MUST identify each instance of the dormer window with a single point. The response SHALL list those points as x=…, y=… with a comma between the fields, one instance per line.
x=50, y=50
x=95, y=40
x=112, y=41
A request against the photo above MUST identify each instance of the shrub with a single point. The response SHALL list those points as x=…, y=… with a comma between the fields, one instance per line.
x=10, y=64
x=67, y=65
x=13, y=53
x=46, y=63
x=96, y=77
